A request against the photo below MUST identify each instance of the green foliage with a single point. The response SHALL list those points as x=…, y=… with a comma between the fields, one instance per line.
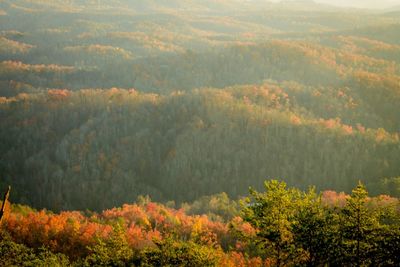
x=357, y=225
x=221, y=95
x=210, y=138
x=113, y=251
x=386, y=246
x=301, y=91
x=217, y=207
x=314, y=229
x=390, y=186
x=281, y=226
x=13, y=254
x=170, y=252
x=272, y=213
x=298, y=228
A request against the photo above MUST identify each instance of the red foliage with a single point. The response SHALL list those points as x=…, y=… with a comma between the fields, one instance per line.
x=333, y=198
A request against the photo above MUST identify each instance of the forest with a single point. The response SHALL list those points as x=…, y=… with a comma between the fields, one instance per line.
x=280, y=226
x=132, y=130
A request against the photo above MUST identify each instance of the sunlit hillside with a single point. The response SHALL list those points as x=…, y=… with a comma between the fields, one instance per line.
x=104, y=102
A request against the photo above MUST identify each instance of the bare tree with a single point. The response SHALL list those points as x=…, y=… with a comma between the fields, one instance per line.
x=5, y=199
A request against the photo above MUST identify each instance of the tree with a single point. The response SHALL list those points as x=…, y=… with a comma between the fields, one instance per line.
x=170, y=252
x=14, y=254
x=358, y=224
x=272, y=213
x=113, y=251
x=4, y=204
x=314, y=229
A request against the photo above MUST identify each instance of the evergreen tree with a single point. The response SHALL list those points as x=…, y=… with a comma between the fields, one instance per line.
x=358, y=225
x=272, y=213
x=314, y=229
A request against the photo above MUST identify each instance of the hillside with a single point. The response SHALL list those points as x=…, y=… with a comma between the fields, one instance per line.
x=225, y=133
x=102, y=101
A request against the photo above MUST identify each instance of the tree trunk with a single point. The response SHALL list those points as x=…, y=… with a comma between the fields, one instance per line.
x=5, y=199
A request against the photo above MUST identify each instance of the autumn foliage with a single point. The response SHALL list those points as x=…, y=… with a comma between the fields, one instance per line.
x=151, y=233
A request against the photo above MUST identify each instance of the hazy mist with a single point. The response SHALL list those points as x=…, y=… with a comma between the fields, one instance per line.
x=362, y=3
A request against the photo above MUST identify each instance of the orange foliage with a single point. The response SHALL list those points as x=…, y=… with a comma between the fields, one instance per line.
x=18, y=66
x=73, y=234
x=58, y=94
x=333, y=198
x=237, y=259
x=295, y=120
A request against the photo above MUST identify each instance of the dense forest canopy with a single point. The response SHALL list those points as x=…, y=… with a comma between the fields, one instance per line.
x=103, y=101
x=280, y=226
x=199, y=133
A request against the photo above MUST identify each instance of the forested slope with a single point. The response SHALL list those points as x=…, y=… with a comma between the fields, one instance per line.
x=116, y=144
x=219, y=95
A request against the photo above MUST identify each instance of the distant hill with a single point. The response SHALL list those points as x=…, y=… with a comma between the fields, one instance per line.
x=103, y=101
x=394, y=8
x=365, y=4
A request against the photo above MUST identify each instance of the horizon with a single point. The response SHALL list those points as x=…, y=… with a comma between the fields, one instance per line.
x=364, y=4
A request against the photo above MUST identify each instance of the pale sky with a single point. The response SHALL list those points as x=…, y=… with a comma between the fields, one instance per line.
x=381, y=4
x=362, y=3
